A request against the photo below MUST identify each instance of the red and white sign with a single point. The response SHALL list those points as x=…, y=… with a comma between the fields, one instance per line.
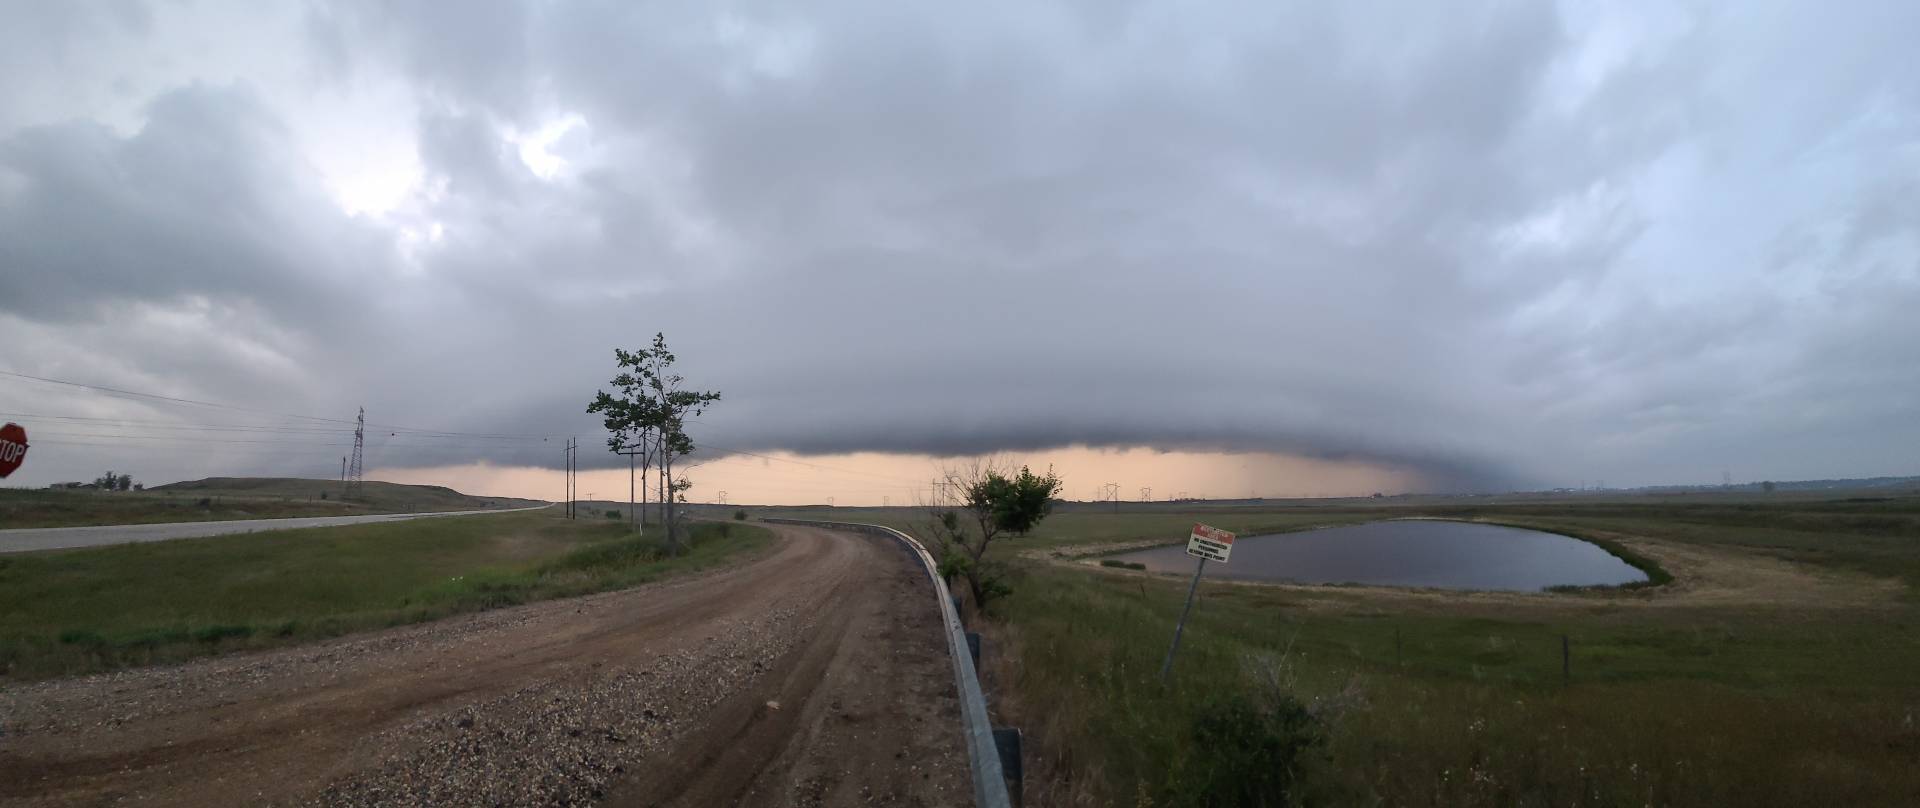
x=13, y=448
x=1210, y=543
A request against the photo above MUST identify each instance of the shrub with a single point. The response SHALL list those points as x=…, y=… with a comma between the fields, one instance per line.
x=81, y=636
x=1245, y=753
x=740, y=515
x=218, y=632
x=1125, y=565
x=614, y=514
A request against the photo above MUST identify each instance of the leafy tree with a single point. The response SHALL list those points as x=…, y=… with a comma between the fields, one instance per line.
x=652, y=410
x=125, y=482
x=1021, y=501
x=990, y=503
x=1767, y=486
x=632, y=416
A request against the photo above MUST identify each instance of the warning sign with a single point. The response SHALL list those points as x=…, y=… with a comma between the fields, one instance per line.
x=1210, y=543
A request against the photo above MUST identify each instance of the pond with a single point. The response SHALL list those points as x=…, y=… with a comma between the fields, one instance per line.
x=1410, y=552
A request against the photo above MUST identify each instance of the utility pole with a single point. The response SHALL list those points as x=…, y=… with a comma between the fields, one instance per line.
x=635, y=516
x=569, y=476
x=355, y=469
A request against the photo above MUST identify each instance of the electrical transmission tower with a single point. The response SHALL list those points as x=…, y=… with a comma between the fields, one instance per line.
x=1146, y=495
x=354, y=468
x=1113, y=493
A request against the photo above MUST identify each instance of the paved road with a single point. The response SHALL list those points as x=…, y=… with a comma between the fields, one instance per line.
x=21, y=540
x=814, y=673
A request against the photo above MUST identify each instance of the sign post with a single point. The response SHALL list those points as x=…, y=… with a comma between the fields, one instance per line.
x=13, y=448
x=1207, y=544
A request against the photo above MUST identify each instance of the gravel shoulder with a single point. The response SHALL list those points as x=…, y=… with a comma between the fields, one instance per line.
x=814, y=674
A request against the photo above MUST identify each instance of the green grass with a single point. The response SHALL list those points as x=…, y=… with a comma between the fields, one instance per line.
x=1427, y=700
x=83, y=610
x=223, y=498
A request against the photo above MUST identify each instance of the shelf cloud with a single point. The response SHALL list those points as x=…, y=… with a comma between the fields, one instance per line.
x=1497, y=245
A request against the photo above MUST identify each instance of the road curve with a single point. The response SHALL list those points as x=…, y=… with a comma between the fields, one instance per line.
x=28, y=539
x=814, y=674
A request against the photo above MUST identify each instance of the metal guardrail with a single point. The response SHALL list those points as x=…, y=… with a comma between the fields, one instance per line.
x=983, y=756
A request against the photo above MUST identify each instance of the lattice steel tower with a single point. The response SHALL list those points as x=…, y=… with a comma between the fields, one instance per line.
x=359, y=443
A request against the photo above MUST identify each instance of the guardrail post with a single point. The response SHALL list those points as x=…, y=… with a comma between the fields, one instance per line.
x=1006, y=740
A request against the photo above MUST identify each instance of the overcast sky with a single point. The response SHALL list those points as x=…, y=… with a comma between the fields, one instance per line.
x=1468, y=245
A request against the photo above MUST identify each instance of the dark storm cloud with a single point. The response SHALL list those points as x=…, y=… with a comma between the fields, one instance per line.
x=1496, y=244
x=206, y=200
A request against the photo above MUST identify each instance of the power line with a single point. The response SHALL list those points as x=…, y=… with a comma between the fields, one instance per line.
x=195, y=402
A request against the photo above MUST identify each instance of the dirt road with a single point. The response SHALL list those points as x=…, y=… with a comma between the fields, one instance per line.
x=814, y=675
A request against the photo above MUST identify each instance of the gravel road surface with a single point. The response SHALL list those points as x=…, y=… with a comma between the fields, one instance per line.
x=20, y=540
x=814, y=674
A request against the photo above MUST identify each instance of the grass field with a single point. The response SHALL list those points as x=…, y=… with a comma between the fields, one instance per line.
x=224, y=498
x=1778, y=667
x=83, y=610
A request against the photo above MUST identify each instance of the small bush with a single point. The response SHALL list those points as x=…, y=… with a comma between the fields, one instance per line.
x=1245, y=753
x=614, y=514
x=1125, y=565
x=80, y=636
x=740, y=515
x=218, y=632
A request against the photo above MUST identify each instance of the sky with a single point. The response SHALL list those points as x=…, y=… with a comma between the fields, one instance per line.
x=1278, y=249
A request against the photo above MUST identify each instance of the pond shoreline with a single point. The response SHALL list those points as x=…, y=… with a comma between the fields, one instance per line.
x=1503, y=570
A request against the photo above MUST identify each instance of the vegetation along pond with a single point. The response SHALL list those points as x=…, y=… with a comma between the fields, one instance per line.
x=1410, y=552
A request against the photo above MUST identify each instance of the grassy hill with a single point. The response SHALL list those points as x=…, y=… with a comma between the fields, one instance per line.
x=374, y=494
x=221, y=498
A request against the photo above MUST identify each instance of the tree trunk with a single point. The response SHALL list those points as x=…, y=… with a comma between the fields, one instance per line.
x=643, y=496
x=673, y=519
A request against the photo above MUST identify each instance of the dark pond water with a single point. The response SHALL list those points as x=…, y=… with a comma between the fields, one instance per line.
x=1452, y=555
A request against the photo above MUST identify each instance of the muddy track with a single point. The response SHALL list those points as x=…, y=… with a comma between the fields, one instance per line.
x=813, y=674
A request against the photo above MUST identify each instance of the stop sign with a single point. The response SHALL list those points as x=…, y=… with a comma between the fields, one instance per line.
x=13, y=448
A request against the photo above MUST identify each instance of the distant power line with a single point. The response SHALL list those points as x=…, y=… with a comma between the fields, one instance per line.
x=254, y=410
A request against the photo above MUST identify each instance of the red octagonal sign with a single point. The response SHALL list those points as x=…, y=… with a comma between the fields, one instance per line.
x=13, y=448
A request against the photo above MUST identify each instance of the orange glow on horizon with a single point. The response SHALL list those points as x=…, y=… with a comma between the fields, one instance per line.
x=869, y=478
